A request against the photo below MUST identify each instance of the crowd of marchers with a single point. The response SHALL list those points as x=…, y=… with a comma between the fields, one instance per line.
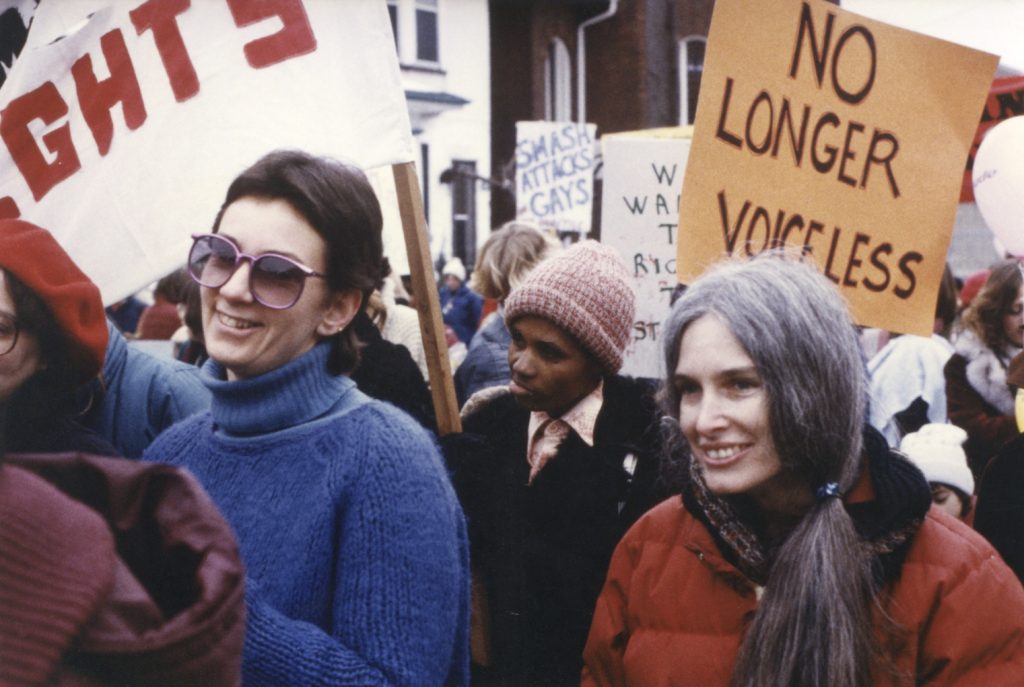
x=275, y=507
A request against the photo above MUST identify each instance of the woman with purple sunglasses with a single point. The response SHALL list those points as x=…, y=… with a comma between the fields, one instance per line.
x=352, y=537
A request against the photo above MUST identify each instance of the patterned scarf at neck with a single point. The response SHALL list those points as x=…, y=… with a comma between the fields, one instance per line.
x=886, y=525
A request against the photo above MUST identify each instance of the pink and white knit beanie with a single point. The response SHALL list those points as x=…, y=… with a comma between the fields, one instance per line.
x=585, y=290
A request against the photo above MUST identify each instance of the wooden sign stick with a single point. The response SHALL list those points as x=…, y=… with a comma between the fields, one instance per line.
x=414, y=226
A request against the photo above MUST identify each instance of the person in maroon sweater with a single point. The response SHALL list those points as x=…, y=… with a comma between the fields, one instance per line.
x=114, y=572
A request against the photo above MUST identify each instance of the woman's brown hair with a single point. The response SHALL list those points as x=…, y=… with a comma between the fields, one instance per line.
x=984, y=316
x=340, y=205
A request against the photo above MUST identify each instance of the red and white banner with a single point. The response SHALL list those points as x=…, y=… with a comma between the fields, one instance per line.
x=122, y=123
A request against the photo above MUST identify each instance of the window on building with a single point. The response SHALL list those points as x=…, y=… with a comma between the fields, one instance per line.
x=426, y=31
x=691, y=68
x=557, y=83
x=393, y=13
x=416, y=26
x=464, y=210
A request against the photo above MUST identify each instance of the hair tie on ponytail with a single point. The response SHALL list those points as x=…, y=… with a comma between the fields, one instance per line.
x=828, y=490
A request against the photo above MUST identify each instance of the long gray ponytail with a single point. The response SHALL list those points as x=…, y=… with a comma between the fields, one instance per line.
x=814, y=623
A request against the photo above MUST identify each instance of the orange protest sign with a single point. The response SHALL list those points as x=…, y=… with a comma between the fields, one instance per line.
x=839, y=136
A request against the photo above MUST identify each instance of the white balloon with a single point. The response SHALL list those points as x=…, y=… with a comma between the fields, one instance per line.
x=998, y=178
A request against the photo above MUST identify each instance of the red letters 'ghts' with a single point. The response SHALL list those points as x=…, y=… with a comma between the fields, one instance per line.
x=43, y=103
x=160, y=16
x=96, y=98
x=295, y=37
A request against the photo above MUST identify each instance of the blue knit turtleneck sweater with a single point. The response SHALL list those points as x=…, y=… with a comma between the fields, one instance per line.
x=351, y=534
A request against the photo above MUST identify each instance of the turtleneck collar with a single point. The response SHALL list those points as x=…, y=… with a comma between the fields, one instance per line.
x=295, y=393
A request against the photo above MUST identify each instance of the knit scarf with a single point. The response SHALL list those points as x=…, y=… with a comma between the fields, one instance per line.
x=885, y=525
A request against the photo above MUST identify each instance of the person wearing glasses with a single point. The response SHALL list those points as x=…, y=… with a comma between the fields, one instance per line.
x=352, y=537
x=53, y=337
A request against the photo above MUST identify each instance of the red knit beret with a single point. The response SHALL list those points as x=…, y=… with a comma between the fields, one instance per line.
x=37, y=260
x=973, y=285
x=585, y=290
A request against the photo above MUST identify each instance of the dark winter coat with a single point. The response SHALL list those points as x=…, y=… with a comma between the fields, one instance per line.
x=486, y=363
x=999, y=514
x=57, y=433
x=387, y=372
x=125, y=314
x=543, y=549
x=114, y=572
x=972, y=400
x=461, y=310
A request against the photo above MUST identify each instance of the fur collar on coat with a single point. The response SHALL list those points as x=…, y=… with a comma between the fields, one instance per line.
x=986, y=370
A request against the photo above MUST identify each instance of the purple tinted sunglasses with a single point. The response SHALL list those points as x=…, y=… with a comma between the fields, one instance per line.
x=275, y=281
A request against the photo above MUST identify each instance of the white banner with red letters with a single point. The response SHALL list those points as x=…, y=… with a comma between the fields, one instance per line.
x=123, y=122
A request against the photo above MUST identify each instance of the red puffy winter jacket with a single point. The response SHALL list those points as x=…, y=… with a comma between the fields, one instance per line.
x=673, y=611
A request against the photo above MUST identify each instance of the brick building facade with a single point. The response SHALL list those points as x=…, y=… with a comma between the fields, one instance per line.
x=632, y=61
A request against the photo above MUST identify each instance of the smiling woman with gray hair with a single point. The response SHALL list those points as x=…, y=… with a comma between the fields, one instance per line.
x=802, y=551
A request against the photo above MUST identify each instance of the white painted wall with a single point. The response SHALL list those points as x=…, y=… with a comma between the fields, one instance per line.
x=459, y=132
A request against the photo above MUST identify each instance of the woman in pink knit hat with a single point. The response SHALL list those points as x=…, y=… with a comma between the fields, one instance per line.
x=554, y=467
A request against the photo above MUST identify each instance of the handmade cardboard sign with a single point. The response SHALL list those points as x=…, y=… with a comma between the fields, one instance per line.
x=555, y=174
x=639, y=217
x=840, y=136
x=122, y=124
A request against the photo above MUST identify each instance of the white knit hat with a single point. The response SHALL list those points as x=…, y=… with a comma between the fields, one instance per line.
x=936, y=450
x=455, y=268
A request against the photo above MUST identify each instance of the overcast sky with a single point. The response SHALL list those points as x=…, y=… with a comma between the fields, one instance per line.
x=995, y=26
